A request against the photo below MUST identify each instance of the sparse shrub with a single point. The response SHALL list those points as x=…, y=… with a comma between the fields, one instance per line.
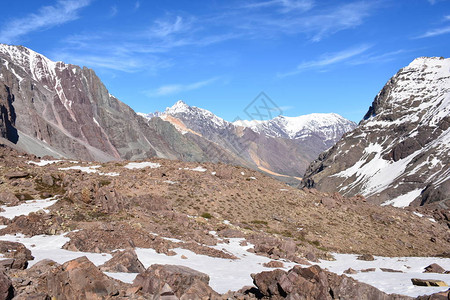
x=206, y=215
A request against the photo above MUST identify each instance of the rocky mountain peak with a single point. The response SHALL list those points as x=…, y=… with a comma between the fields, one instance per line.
x=399, y=154
x=179, y=107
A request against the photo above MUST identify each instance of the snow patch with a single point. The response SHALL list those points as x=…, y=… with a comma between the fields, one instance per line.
x=403, y=200
x=141, y=165
x=43, y=162
x=399, y=283
x=24, y=209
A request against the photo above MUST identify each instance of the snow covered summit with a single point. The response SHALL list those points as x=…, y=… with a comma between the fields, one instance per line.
x=400, y=153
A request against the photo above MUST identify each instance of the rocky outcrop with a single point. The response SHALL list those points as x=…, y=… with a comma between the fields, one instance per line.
x=315, y=283
x=123, y=261
x=399, y=153
x=171, y=280
x=7, y=115
x=6, y=287
x=80, y=279
x=17, y=255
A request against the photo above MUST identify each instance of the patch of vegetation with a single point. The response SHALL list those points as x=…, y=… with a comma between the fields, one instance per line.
x=54, y=189
x=97, y=215
x=259, y=222
x=104, y=182
x=24, y=196
x=78, y=216
x=206, y=215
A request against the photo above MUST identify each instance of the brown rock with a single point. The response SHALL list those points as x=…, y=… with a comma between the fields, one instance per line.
x=350, y=271
x=368, y=270
x=311, y=257
x=110, y=200
x=390, y=270
x=16, y=251
x=274, y=264
x=47, y=179
x=434, y=268
x=366, y=257
x=9, y=198
x=427, y=282
x=301, y=261
x=181, y=280
x=315, y=283
x=6, y=287
x=16, y=175
x=328, y=202
x=123, y=261
x=80, y=279
x=437, y=296
x=267, y=282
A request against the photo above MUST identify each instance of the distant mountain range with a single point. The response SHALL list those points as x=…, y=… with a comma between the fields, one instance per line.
x=283, y=145
x=400, y=152
x=63, y=110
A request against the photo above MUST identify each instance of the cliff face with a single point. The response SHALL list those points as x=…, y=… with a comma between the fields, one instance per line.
x=399, y=154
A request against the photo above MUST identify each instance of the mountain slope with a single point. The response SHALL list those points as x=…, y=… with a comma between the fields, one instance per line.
x=62, y=110
x=400, y=153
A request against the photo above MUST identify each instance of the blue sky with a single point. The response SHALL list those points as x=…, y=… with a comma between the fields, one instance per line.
x=306, y=55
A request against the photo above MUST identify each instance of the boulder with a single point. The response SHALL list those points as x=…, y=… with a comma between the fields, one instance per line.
x=6, y=287
x=274, y=264
x=315, y=283
x=350, y=271
x=184, y=283
x=390, y=270
x=123, y=261
x=80, y=279
x=16, y=175
x=428, y=282
x=110, y=200
x=366, y=257
x=9, y=198
x=434, y=268
x=328, y=202
x=436, y=296
x=17, y=253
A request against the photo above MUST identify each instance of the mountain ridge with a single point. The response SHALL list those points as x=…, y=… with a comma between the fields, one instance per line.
x=399, y=153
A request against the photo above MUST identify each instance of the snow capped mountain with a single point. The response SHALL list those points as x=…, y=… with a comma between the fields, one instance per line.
x=199, y=119
x=62, y=110
x=400, y=153
x=283, y=145
x=330, y=127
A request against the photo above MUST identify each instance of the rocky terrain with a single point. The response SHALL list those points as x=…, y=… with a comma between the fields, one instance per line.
x=399, y=154
x=98, y=208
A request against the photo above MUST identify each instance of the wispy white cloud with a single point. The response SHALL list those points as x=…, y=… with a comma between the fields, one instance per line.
x=113, y=11
x=47, y=16
x=164, y=28
x=378, y=58
x=434, y=32
x=328, y=59
x=316, y=23
x=137, y=5
x=172, y=89
x=283, y=5
x=344, y=17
